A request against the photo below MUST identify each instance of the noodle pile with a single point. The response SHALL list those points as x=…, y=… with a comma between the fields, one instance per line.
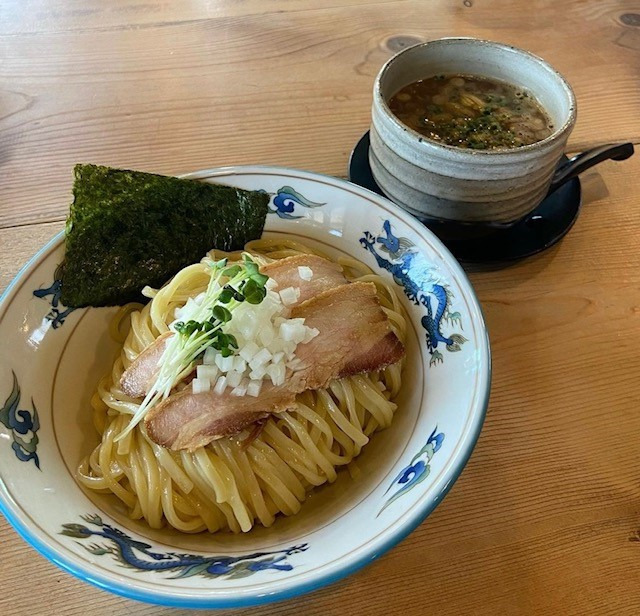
x=234, y=482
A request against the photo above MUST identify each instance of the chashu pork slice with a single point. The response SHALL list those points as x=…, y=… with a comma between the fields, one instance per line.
x=325, y=275
x=355, y=336
x=139, y=376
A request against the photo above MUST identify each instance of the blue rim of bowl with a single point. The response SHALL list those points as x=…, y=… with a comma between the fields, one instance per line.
x=128, y=592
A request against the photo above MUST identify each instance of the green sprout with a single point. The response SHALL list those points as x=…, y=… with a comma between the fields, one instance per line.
x=244, y=283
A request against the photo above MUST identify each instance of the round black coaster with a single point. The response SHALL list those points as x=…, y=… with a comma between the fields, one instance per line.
x=539, y=230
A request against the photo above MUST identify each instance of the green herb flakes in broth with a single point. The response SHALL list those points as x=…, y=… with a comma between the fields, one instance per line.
x=471, y=112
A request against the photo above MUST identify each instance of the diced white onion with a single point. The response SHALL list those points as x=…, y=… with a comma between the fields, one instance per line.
x=271, y=302
x=239, y=363
x=248, y=328
x=295, y=364
x=253, y=388
x=266, y=340
x=240, y=390
x=224, y=363
x=266, y=335
x=277, y=373
x=276, y=345
x=274, y=297
x=310, y=334
x=200, y=386
x=249, y=350
x=289, y=295
x=207, y=372
x=209, y=358
x=257, y=366
x=261, y=357
x=289, y=349
x=221, y=385
x=234, y=378
x=290, y=331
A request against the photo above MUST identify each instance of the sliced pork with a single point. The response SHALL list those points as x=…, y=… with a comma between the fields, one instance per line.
x=355, y=336
x=325, y=275
x=140, y=375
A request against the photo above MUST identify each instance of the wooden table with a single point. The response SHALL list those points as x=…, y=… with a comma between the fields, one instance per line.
x=544, y=518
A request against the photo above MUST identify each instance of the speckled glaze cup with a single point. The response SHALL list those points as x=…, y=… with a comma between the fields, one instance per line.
x=430, y=179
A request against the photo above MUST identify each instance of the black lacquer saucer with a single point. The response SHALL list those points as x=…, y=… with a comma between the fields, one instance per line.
x=539, y=230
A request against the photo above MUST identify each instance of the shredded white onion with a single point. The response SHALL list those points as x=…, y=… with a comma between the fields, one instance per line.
x=305, y=272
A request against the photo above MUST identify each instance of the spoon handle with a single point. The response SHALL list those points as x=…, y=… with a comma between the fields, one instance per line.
x=581, y=162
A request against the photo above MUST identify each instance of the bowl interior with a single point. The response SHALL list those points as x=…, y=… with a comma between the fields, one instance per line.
x=86, y=358
x=55, y=358
x=486, y=59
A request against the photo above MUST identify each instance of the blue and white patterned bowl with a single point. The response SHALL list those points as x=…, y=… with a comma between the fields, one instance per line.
x=53, y=357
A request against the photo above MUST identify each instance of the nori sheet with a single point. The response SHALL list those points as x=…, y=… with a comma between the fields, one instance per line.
x=128, y=229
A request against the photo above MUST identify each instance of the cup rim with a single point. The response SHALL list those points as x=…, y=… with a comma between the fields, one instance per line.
x=557, y=134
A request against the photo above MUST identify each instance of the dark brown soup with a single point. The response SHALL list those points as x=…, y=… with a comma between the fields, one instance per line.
x=471, y=112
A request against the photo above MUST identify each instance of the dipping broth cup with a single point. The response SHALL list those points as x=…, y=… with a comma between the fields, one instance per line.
x=434, y=180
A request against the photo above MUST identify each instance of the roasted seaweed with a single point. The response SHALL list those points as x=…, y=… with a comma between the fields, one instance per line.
x=128, y=229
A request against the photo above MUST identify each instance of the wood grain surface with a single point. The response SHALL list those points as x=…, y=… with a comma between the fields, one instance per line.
x=543, y=518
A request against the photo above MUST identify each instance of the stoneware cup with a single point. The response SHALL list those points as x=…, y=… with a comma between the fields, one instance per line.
x=430, y=179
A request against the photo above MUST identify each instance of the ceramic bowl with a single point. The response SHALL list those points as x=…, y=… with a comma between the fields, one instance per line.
x=432, y=179
x=53, y=357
